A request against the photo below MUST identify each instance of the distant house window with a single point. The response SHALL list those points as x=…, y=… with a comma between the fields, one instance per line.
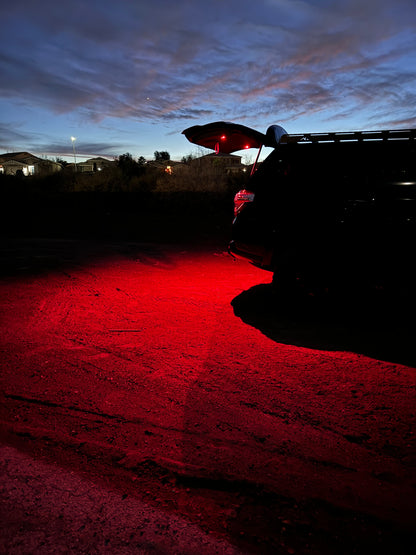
x=28, y=170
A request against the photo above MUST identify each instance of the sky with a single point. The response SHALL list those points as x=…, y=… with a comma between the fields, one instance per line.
x=130, y=76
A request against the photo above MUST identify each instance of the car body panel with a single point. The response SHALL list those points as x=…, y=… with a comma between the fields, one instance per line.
x=332, y=209
x=326, y=203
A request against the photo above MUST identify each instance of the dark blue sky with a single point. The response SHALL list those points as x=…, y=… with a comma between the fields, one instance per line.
x=129, y=76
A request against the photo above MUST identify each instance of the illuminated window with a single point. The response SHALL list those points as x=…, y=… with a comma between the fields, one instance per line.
x=28, y=170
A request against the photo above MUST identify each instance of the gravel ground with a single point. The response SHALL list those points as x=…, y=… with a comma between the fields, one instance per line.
x=51, y=510
x=164, y=399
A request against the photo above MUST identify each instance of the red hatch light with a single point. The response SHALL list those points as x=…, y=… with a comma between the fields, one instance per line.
x=240, y=199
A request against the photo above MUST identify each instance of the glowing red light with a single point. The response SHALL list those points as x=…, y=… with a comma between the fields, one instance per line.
x=223, y=137
x=241, y=198
x=246, y=146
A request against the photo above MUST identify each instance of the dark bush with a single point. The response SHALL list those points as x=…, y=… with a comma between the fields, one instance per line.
x=106, y=204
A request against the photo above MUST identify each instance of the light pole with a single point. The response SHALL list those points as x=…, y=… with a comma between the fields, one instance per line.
x=73, y=139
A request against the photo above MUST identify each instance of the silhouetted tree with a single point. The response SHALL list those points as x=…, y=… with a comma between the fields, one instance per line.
x=129, y=166
x=162, y=156
x=63, y=163
x=188, y=158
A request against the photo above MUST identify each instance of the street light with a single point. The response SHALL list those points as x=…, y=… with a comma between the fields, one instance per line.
x=73, y=139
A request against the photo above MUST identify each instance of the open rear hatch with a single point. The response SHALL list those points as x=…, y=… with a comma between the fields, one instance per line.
x=225, y=137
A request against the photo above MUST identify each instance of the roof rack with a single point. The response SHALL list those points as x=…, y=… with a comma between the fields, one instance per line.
x=350, y=136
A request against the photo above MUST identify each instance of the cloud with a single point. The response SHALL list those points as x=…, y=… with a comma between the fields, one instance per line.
x=10, y=139
x=156, y=62
x=83, y=150
x=10, y=136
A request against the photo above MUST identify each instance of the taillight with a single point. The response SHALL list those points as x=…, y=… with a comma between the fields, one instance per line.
x=240, y=199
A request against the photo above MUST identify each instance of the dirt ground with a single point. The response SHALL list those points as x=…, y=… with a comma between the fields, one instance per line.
x=172, y=385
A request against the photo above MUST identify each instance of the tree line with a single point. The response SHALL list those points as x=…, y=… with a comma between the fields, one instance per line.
x=129, y=174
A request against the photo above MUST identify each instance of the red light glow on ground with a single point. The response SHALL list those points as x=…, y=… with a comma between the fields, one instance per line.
x=141, y=354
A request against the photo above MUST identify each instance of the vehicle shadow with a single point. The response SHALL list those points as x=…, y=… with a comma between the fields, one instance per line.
x=375, y=324
x=242, y=434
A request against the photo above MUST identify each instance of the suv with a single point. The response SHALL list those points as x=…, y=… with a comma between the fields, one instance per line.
x=324, y=209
